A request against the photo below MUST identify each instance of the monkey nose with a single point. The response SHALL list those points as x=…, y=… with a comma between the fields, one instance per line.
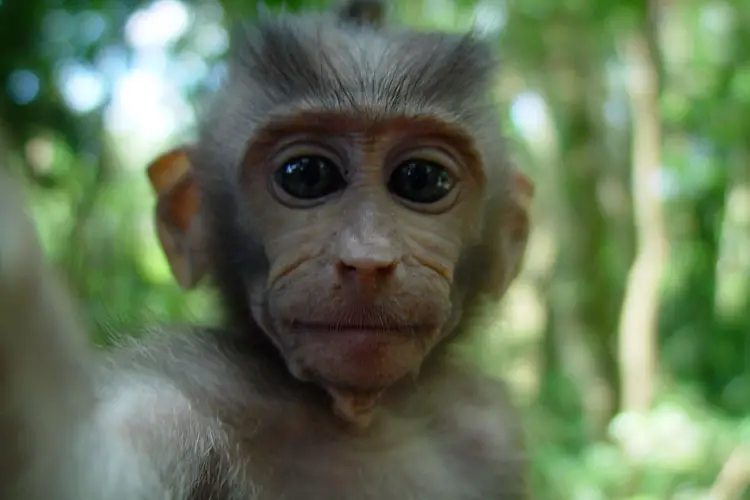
x=368, y=272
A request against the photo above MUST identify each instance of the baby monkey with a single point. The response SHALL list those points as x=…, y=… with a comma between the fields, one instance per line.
x=351, y=200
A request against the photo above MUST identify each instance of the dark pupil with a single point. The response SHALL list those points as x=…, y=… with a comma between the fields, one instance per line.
x=420, y=181
x=309, y=177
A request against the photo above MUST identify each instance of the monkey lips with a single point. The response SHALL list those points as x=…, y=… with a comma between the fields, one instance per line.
x=365, y=357
x=355, y=363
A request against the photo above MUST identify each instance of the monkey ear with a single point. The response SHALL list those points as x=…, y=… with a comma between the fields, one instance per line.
x=515, y=233
x=371, y=13
x=179, y=222
x=524, y=189
x=518, y=223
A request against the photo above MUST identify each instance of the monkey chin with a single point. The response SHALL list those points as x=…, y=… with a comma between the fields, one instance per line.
x=355, y=366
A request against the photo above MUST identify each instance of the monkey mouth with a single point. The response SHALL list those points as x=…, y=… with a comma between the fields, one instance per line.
x=367, y=357
x=380, y=328
x=355, y=354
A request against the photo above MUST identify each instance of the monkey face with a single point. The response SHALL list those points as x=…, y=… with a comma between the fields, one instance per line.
x=363, y=223
x=356, y=194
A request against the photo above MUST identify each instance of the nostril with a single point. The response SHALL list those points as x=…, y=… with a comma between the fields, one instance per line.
x=387, y=269
x=344, y=268
x=367, y=267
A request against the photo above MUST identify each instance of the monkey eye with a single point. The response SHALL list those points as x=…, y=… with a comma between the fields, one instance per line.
x=421, y=181
x=309, y=177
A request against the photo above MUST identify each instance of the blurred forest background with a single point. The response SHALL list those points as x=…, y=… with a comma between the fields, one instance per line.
x=625, y=339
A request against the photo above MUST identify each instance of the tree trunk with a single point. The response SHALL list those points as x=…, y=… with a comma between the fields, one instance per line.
x=639, y=314
x=581, y=293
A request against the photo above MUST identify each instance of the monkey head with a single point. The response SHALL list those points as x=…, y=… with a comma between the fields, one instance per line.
x=355, y=198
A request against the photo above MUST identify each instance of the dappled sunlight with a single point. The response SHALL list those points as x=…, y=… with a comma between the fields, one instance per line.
x=23, y=86
x=158, y=25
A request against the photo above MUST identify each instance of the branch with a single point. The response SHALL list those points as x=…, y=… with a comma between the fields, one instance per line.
x=640, y=308
x=734, y=476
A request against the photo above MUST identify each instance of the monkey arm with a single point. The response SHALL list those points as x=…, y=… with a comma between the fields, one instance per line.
x=64, y=440
x=63, y=434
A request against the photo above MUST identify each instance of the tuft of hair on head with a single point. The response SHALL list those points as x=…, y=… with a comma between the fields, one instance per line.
x=371, y=13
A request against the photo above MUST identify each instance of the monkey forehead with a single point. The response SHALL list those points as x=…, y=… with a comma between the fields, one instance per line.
x=312, y=62
x=314, y=58
x=314, y=55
